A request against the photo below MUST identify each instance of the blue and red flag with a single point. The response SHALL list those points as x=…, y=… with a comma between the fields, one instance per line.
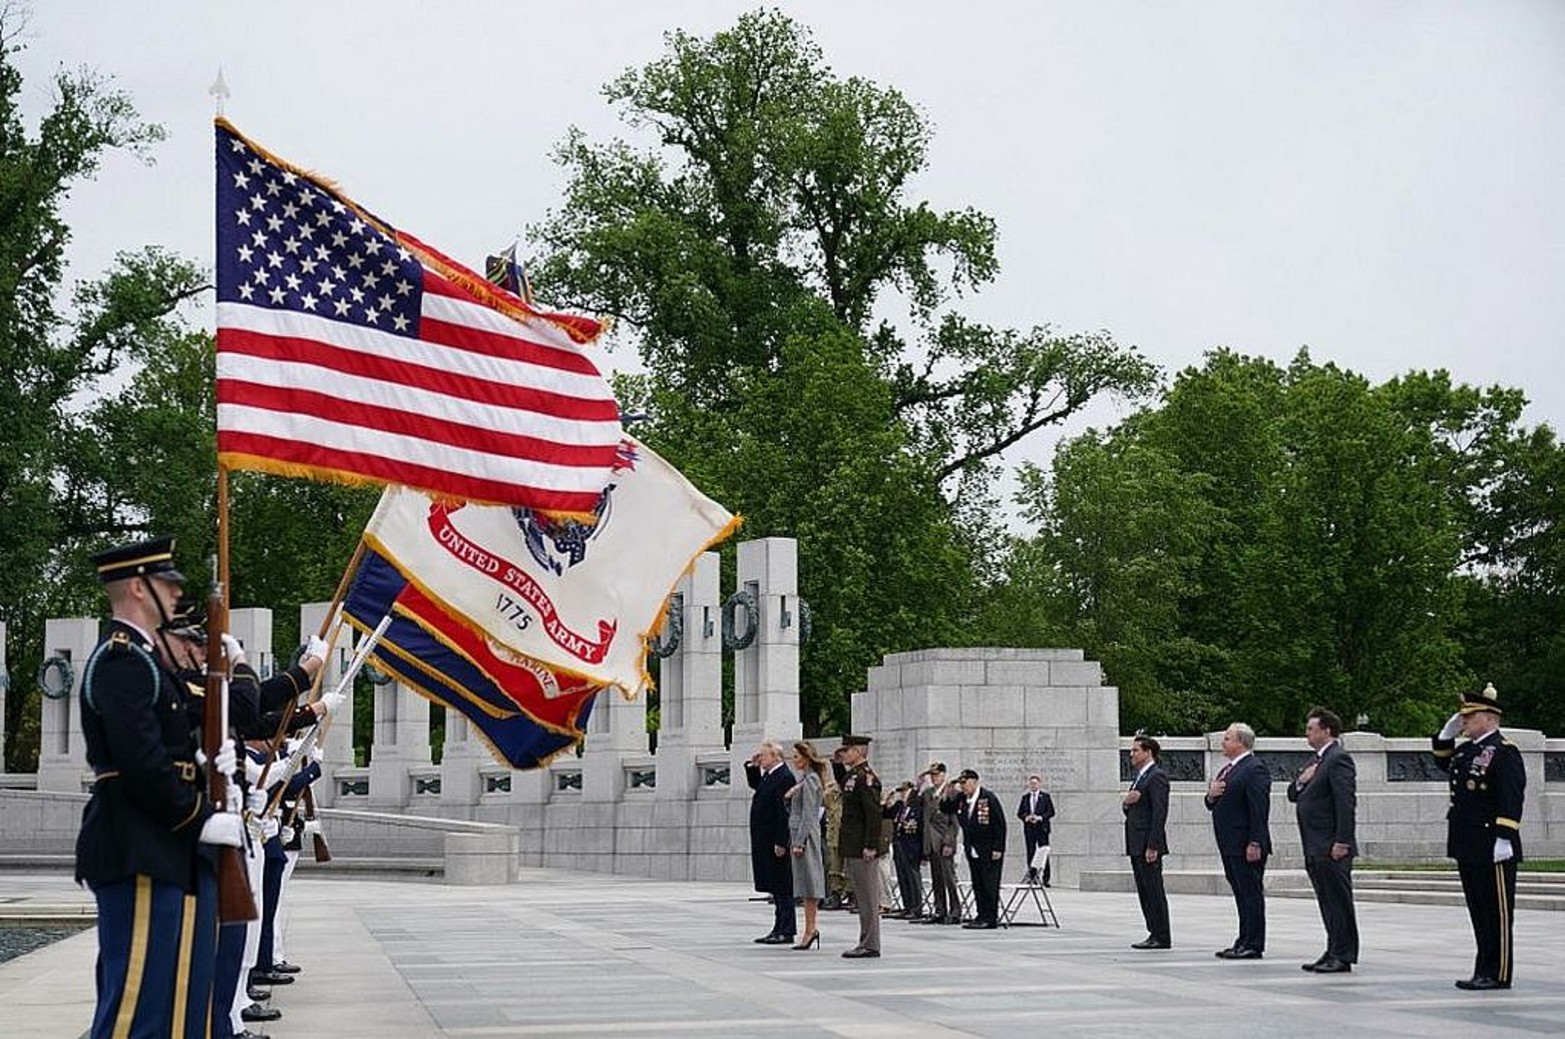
x=525, y=711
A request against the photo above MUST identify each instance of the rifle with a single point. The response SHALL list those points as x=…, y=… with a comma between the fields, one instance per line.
x=235, y=902
x=322, y=851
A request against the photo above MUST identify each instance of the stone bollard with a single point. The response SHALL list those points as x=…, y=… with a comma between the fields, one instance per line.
x=482, y=858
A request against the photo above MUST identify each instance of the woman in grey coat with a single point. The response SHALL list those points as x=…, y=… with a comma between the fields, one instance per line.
x=804, y=829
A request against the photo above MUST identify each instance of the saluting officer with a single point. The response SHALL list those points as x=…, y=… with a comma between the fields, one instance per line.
x=1483, y=829
x=861, y=843
x=137, y=850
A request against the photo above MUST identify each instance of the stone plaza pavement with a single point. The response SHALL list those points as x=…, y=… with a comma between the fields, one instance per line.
x=563, y=954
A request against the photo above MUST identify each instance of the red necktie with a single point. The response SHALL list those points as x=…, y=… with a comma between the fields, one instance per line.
x=1222, y=773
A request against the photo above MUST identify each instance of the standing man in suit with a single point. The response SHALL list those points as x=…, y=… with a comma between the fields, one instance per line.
x=1325, y=796
x=1483, y=829
x=940, y=828
x=1035, y=811
x=769, y=839
x=982, y=819
x=861, y=843
x=1146, y=838
x=1240, y=802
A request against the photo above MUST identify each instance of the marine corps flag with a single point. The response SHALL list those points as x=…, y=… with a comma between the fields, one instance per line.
x=527, y=713
x=580, y=597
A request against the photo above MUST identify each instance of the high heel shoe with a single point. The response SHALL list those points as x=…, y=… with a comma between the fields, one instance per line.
x=814, y=939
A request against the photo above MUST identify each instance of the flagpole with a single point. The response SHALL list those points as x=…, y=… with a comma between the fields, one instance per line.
x=315, y=684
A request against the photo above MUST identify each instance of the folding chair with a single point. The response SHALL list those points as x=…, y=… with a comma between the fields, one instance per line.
x=1021, y=893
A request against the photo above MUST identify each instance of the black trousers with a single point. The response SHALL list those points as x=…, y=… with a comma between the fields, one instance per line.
x=942, y=877
x=1332, y=880
x=1490, y=890
x=986, y=889
x=1247, y=880
x=1154, y=901
x=784, y=919
x=910, y=884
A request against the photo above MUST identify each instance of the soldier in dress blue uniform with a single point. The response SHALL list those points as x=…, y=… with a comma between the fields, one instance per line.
x=1483, y=829
x=138, y=849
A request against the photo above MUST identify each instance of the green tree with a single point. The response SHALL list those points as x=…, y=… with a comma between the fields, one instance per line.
x=752, y=257
x=46, y=357
x=1265, y=539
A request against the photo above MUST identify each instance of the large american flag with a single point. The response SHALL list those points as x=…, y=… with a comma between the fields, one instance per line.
x=349, y=350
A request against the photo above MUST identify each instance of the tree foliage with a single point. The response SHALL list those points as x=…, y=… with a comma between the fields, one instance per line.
x=752, y=255
x=1268, y=538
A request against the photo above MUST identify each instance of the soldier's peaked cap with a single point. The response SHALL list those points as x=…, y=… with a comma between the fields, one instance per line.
x=1488, y=700
x=855, y=741
x=154, y=558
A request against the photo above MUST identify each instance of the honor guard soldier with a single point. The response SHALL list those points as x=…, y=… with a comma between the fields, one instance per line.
x=138, y=849
x=1483, y=829
x=861, y=843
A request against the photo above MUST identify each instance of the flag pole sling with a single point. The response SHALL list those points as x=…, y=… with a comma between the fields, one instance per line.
x=235, y=900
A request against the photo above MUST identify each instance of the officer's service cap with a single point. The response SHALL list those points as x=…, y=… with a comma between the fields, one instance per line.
x=968, y=773
x=855, y=741
x=154, y=558
x=935, y=767
x=1488, y=700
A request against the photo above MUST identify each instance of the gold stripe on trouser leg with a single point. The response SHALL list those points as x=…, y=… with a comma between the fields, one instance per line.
x=187, y=935
x=1504, y=921
x=140, y=928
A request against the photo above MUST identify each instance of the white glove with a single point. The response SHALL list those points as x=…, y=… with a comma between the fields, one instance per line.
x=232, y=649
x=312, y=753
x=232, y=800
x=269, y=828
x=255, y=801
x=316, y=648
x=311, y=827
x=332, y=702
x=226, y=760
x=1502, y=850
x=252, y=770
x=1453, y=725
x=223, y=828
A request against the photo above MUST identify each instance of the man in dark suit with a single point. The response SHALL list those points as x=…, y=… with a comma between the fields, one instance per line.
x=1146, y=838
x=1326, y=798
x=1239, y=799
x=982, y=819
x=1483, y=829
x=769, y=840
x=1035, y=811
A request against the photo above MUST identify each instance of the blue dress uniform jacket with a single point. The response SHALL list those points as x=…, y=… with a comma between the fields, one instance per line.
x=148, y=804
x=1488, y=785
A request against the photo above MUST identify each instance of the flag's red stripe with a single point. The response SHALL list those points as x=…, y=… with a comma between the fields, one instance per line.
x=423, y=377
x=394, y=420
x=494, y=344
x=390, y=470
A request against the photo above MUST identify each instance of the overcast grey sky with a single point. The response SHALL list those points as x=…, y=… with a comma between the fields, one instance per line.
x=1381, y=181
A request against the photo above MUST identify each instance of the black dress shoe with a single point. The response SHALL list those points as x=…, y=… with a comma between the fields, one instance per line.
x=861, y=954
x=268, y=977
x=1482, y=984
x=1333, y=967
x=258, y=995
x=1239, y=954
x=247, y=1034
x=284, y=967
x=1150, y=943
x=980, y=925
x=256, y=1012
x=776, y=939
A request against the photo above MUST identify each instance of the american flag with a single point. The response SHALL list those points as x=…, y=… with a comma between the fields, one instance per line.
x=349, y=350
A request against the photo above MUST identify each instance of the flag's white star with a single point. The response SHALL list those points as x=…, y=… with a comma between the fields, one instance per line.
x=246, y=291
x=274, y=259
x=308, y=302
x=278, y=295
x=399, y=323
x=243, y=216
x=403, y=288
x=372, y=315
x=245, y=253
x=241, y=181
x=341, y=306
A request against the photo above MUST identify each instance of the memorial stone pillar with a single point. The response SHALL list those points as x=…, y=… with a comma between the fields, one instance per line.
x=337, y=747
x=460, y=758
x=401, y=741
x=766, y=673
x=62, y=752
x=252, y=626
x=616, y=732
x=690, y=686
